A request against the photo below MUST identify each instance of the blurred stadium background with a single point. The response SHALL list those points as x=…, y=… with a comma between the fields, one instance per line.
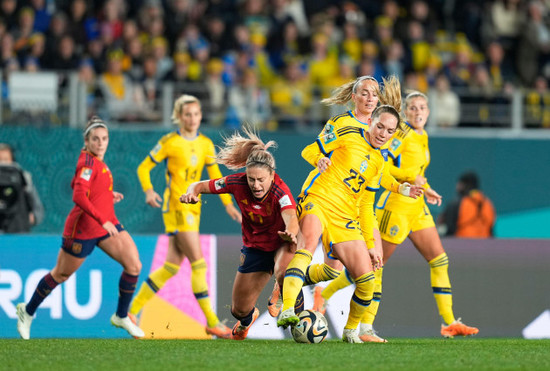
x=484, y=65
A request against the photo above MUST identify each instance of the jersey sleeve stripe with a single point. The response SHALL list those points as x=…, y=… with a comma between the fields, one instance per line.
x=153, y=159
x=321, y=148
x=347, y=130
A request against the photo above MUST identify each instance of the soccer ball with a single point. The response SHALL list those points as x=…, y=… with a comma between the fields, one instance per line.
x=312, y=328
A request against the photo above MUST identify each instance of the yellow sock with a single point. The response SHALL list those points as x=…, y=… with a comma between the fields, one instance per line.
x=200, y=289
x=294, y=277
x=316, y=273
x=372, y=309
x=360, y=300
x=441, y=287
x=152, y=285
x=343, y=280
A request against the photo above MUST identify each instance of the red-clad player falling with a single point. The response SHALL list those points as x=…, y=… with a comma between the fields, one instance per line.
x=269, y=223
x=92, y=222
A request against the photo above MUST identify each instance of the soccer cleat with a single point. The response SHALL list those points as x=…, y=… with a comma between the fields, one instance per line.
x=127, y=324
x=239, y=332
x=219, y=330
x=24, y=321
x=370, y=336
x=288, y=318
x=458, y=328
x=319, y=303
x=134, y=320
x=275, y=301
x=350, y=336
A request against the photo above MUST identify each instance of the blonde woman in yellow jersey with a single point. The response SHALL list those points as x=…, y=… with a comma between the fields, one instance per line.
x=363, y=94
x=331, y=207
x=400, y=217
x=185, y=152
x=390, y=94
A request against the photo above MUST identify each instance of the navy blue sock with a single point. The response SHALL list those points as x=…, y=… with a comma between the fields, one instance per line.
x=299, y=305
x=126, y=288
x=246, y=320
x=43, y=289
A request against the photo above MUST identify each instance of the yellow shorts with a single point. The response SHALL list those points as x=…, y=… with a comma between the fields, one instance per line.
x=395, y=227
x=336, y=228
x=183, y=218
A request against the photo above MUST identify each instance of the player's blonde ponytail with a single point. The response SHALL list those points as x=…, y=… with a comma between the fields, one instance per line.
x=248, y=150
x=389, y=97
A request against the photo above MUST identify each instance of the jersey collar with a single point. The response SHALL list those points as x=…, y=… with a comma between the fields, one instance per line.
x=355, y=117
x=179, y=133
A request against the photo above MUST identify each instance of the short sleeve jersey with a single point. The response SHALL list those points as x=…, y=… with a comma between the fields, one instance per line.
x=92, y=187
x=261, y=217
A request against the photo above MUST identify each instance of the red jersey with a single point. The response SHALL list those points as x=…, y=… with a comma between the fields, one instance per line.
x=261, y=217
x=93, y=197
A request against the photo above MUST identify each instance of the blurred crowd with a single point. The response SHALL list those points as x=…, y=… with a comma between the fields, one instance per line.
x=253, y=60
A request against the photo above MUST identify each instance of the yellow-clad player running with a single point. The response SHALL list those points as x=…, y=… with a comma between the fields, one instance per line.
x=185, y=153
x=330, y=207
x=365, y=94
x=401, y=217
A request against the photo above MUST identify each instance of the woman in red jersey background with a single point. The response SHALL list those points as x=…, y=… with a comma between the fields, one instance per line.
x=92, y=222
x=269, y=221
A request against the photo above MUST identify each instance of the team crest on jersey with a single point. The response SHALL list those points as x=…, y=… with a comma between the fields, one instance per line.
x=156, y=149
x=394, y=230
x=190, y=219
x=194, y=160
x=86, y=173
x=395, y=143
x=364, y=166
x=219, y=184
x=76, y=248
x=427, y=155
x=309, y=206
x=257, y=207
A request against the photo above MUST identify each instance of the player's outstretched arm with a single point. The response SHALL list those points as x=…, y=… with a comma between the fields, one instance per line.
x=193, y=192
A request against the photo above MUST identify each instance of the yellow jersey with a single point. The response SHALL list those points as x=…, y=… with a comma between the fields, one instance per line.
x=411, y=156
x=312, y=154
x=355, y=164
x=185, y=159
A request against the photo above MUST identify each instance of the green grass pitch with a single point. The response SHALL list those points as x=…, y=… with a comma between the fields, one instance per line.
x=398, y=354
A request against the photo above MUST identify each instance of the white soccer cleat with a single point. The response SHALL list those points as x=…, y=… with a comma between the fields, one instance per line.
x=24, y=321
x=370, y=336
x=287, y=318
x=350, y=336
x=127, y=324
